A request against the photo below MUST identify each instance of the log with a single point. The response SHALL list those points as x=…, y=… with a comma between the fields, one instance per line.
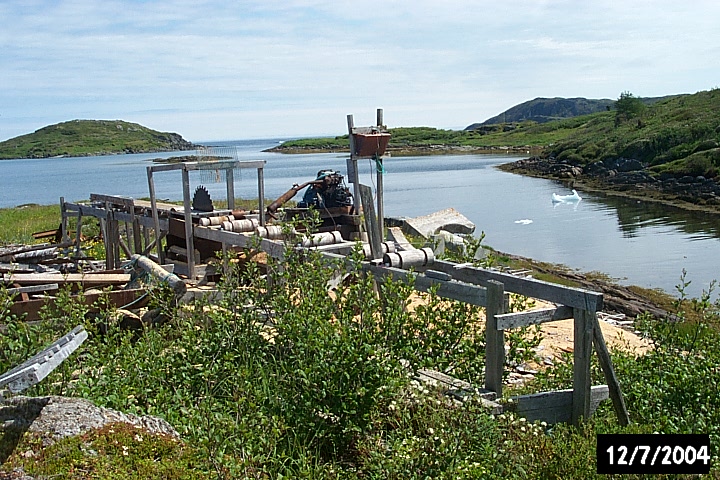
x=159, y=273
x=246, y=225
x=322, y=238
x=410, y=258
x=86, y=279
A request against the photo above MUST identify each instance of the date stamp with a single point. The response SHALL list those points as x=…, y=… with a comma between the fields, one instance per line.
x=648, y=453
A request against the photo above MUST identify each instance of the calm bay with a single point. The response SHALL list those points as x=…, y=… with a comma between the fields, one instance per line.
x=639, y=243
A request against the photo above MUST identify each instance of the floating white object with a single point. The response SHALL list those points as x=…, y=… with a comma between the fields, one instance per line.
x=566, y=198
x=524, y=221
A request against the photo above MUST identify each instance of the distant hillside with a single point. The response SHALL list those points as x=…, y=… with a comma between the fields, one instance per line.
x=91, y=137
x=543, y=110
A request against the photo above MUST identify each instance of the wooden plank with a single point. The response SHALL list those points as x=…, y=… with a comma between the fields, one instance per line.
x=494, y=338
x=609, y=372
x=582, y=340
x=85, y=279
x=554, y=407
x=33, y=288
x=189, y=241
x=261, y=192
x=560, y=294
x=36, y=368
x=508, y=321
x=127, y=202
x=31, y=308
x=464, y=292
x=371, y=224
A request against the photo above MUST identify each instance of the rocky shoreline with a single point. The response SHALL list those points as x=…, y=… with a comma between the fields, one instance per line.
x=412, y=150
x=627, y=178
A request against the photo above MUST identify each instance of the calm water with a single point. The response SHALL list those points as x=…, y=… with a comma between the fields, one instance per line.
x=635, y=242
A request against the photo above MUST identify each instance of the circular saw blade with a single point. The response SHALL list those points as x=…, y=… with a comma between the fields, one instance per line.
x=201, y=201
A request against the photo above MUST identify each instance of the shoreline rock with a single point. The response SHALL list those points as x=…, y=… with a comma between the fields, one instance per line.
x=627, y=178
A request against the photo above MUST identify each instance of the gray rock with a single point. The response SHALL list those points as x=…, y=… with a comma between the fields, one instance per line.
x=60, y=417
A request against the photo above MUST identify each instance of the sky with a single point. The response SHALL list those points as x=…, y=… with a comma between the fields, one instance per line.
x=228, y=70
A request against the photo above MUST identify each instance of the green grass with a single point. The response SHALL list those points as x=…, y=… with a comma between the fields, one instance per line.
x=322, y=390
x=91, y=137
x=17, y=224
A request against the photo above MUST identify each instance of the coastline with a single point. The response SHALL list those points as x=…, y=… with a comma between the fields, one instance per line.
x=415, y=150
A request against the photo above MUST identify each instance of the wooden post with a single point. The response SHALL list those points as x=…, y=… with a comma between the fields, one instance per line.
x=494, y=338
x=353, y=174
x=189, y=241
x=230, y=181
x=261, y=194
x=610, y=378
x=156, y=219
x=78, y=251
x=371, y=222
x=583, y=335
x=63, y=221
x=380, y=173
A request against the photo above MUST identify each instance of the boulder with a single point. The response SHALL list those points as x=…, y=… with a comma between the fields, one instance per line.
x=449, y=220
x=59, y=417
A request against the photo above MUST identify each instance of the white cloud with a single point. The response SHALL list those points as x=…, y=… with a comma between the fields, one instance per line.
x=189, y=64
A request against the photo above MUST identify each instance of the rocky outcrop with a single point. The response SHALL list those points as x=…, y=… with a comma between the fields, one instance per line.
x=59, y=417
x=625, y=175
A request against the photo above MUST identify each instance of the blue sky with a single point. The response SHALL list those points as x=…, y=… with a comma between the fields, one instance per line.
x=220, y=70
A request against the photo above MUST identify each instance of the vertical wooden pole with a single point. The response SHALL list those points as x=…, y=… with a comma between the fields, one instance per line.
x=261, y=194
x=230, y=180
x=353, y=173
x=156, y=219
x=494, y=338
x=63, y=221
x=380, y=173
x=189, y=241
x=607, y=368
x=78, y=229
x=371, y=222
x=583, y=336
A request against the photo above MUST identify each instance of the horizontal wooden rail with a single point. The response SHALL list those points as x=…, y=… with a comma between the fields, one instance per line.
x=508, y=321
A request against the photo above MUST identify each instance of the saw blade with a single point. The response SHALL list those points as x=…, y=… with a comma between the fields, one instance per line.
x=201, y=200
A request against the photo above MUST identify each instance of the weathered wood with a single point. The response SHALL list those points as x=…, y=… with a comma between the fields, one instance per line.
x=407, y=259
x=126, y=202
x=508, y=321
x=33, y=288
x=230, y=188
x=554, y=407
x=494, y=338
x=189, y=240
x=118, y=298
x=374, y=236
x=85, y=279
x=560, y=294
x=273, y=248
x=582, y=343
x=158, y=273
x=63, y=221
x=155, y=216
x=464, y=292
x=609, y=372
x=261, y=192
x=36, y=368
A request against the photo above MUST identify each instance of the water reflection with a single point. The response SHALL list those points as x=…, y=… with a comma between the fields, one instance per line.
x=634, y=215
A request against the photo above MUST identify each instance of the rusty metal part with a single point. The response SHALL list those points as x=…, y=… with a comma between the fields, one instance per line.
x=282, y=199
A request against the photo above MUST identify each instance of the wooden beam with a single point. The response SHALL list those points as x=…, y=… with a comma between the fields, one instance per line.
x=464, y=292
x=371, y=224
x=271, y=247
x=494, y=338
x=85, y=279
x=609, y=372
x=118, y=298
x=554, y=407
x=551, y=292
x=508, y=321
x=33, y=288
x=582, y=340
x=126, y=202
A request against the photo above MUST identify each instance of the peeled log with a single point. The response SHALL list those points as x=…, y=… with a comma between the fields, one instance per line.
x=159, y=274
x=410, y=258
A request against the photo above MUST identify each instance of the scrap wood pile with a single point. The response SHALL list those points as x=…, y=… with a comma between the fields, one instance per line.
x=33, y=275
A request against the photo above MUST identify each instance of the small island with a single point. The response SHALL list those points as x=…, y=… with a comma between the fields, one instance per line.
x=79, y=138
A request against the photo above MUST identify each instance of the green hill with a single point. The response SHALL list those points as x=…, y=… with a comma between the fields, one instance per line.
x=679, y=135
x=91, y=137
x=542, y=110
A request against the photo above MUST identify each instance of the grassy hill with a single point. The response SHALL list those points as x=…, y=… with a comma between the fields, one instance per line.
x=676, y=134
x=91, y=137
